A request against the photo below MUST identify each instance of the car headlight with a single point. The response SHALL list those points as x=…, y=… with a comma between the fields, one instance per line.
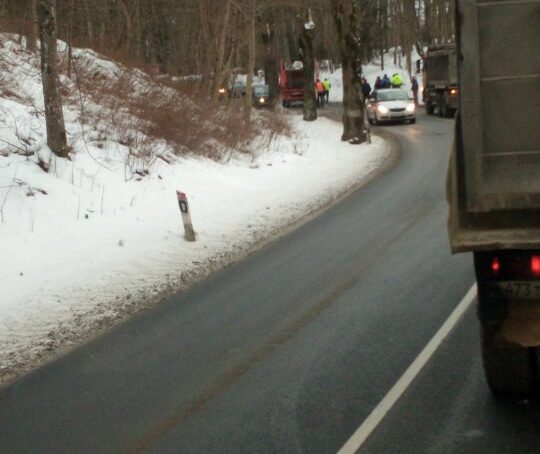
x=382, y=109
x=221, y=91
x=261, y=100
x=410, y=107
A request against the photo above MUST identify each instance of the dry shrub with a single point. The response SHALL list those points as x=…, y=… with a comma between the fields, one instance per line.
x=142, y=108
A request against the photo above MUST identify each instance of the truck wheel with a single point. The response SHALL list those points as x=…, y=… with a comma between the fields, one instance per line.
x=509, y=368
x=440, y=109
x=430, y=108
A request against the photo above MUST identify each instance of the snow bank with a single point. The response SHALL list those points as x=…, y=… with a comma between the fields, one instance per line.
x=90, y=240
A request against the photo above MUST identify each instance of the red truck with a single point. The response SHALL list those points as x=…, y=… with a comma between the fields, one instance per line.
x=291, y=83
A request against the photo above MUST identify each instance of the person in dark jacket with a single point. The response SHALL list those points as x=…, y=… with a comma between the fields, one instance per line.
x=366, y=89
x=386, y=82
x=414, y=87
x=378, y=83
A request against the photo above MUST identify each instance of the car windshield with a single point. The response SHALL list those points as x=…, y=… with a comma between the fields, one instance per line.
x=261, y=90
x=392, y=95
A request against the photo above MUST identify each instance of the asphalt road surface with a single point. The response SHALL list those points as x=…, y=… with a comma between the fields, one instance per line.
x=291, y=349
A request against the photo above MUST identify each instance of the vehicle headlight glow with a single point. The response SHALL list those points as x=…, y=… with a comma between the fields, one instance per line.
x=410, y=107
x=221, y=90
x=261, y=100
x=453, y=91
x=382, y=109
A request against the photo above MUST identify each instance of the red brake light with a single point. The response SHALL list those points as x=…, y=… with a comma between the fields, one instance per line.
x=496, y=265
x=535, y=265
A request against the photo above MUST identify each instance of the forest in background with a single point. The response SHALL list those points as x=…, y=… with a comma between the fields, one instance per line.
x=209, y=38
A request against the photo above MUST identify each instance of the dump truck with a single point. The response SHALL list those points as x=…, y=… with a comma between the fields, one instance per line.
x=494, y=182
x=291, y=83
x=440, y=81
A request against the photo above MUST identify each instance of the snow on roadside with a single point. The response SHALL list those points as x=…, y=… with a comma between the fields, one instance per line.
x=82, y=245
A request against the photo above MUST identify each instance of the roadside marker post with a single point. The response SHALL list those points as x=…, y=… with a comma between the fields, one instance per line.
x=186, y=217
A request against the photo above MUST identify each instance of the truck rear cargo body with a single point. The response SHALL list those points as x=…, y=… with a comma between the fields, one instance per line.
x=497, y=190
x=494, y=181
x=441, y=80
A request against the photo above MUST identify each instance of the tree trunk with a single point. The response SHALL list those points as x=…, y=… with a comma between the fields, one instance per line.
x=383, y=7
x=251, y=58
x=89, y=27
x=54, y=117
x=129, y=25
x=219, y=77
x=271, y=68
x=310, y=108
x=409, y=32
x=346, y=19
x=33, y=31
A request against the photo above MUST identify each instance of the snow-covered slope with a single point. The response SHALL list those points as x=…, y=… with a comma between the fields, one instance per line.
x=100, y=235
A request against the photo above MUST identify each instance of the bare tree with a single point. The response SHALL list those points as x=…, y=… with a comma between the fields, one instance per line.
x=346, y=19
x=54, y=117
x=251, y=56
x=306, y=39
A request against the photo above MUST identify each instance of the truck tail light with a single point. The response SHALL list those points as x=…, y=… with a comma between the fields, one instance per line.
x=496, y=265
x=535, y=265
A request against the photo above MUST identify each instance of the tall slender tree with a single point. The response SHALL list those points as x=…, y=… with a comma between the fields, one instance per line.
x=306, y=45
x=54, y=117
x=346, y=19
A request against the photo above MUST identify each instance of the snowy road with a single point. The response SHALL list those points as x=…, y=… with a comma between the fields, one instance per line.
x=290, y=349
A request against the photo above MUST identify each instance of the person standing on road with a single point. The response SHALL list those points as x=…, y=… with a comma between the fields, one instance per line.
x=414, y=86
x=327, y=85
x=319, y=88
x=366, y=89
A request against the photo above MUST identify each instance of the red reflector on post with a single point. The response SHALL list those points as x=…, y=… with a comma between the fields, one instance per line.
x=495, y=265
x=535, y=265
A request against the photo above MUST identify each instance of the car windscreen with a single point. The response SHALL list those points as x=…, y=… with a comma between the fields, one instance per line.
x=260, y=90
x=392, y=95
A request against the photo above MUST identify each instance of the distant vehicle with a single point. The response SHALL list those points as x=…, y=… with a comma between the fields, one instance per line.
x=291, y=83
x=222, y=92
x=261, y=96
x=390, y=104
x=440, y=80
x=236, y=87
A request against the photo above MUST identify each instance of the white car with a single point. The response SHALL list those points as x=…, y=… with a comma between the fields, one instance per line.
x=390, y=104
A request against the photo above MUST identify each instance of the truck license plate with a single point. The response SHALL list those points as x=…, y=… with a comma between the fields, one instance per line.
x=520, y=289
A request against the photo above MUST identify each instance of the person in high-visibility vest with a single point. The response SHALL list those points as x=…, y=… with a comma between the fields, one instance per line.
x=397, y=81
x=326, y=83
x=319, y=88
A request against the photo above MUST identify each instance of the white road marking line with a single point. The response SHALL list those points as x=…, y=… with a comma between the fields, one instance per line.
x=364, y=431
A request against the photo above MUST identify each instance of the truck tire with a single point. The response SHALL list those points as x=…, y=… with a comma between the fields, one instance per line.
x=430, y=108
x=510, y=369
x=441, y=106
